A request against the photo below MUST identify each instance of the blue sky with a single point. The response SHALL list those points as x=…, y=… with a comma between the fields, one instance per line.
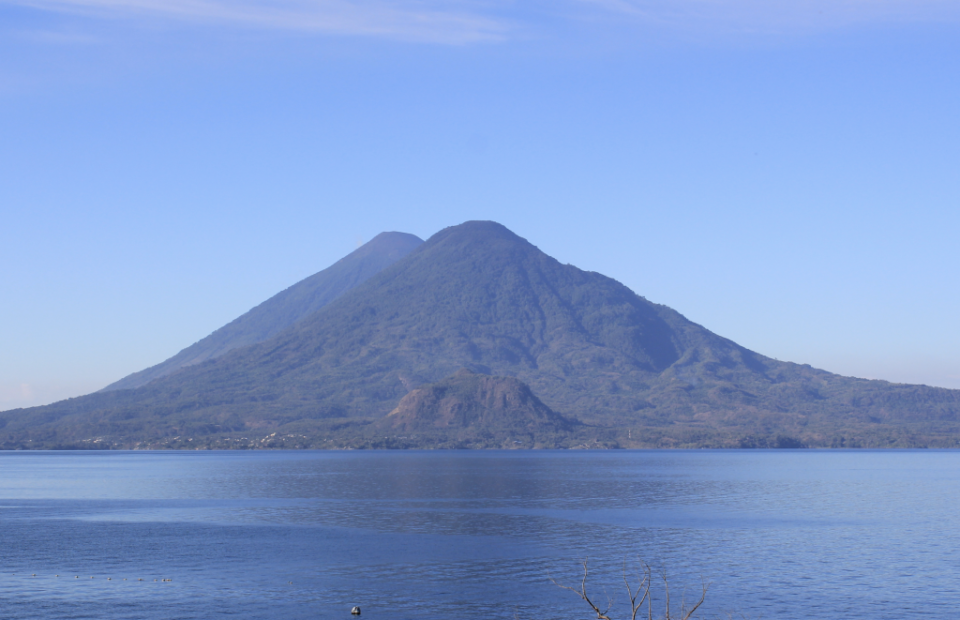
x=785, y=174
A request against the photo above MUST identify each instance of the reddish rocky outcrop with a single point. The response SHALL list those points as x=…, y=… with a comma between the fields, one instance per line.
x=468, y=400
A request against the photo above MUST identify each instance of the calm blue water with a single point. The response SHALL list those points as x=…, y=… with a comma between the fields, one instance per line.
x=466, y=535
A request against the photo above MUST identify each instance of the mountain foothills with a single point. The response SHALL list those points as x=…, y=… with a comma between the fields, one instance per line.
x=474, y=410
x=477, y=339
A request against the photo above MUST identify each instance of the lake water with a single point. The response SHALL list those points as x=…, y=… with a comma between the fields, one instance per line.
x=475, y=535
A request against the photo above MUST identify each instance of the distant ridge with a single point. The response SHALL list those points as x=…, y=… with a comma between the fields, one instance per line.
x=285, y=308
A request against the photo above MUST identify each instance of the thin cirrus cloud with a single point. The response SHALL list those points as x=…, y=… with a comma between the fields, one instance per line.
x=449, y=22
x=474, y=21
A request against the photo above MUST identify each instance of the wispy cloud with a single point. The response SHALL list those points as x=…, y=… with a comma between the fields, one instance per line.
x=471, y=21
x=420, y=20
x=57, y=37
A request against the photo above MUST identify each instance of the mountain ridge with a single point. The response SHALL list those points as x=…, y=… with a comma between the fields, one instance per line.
x=285, y=308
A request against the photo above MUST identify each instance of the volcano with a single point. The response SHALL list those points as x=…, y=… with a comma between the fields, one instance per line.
x=477, y=296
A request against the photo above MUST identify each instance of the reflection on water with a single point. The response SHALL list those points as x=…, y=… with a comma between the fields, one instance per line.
x=796, y=534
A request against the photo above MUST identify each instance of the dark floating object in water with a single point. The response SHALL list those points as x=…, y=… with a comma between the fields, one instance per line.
x=355, y=611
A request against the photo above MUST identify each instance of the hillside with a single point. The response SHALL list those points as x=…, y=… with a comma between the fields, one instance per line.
x=477, y=296
x=469, y=409
x=285, y=308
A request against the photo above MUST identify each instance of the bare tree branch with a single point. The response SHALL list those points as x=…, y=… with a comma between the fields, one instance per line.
x=703, y=595
x=643, y=586
x=638, y=595
x=666, y=590
x=582, y=593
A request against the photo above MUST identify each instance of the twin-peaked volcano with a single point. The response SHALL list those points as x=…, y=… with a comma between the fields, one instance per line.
x=478, y=296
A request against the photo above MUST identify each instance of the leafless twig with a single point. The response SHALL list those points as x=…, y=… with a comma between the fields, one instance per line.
x=638, y=594
x=582, y=593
